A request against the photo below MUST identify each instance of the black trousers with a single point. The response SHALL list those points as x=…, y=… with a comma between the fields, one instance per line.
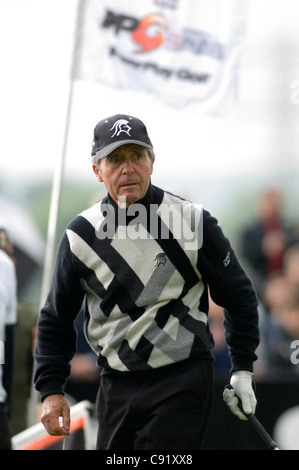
x=167, y=408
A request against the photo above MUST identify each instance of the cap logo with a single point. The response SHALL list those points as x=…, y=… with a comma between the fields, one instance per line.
x=121, y=126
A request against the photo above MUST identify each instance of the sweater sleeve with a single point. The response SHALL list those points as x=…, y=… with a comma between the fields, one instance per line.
x=56, y=333
x=231, y=289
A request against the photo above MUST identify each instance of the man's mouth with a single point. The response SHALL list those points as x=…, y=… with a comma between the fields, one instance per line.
x=128, y=185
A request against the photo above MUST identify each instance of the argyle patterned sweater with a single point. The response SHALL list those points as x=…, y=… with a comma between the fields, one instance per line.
x=144, y=287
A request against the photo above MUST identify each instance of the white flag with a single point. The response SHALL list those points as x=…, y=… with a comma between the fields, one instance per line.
x=185, y=52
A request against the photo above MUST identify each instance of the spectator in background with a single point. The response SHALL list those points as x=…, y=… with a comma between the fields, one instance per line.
x=280, y=324
x=275, y=293
x=8, y=317
x=83, y=383
x=283, y=329
x=25, y=331
x=276, y=290
x=264, y=243
x=291, y=266
x=220, y=351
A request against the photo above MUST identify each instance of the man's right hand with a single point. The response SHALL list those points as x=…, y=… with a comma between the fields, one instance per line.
x=54, y=407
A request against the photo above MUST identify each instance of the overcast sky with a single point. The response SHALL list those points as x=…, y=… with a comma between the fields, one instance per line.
x=36, y=39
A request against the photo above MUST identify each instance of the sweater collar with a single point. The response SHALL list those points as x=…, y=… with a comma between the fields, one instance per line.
x=153, y=195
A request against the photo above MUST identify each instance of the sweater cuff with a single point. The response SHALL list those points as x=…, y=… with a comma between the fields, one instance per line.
x=50, y=389
x=241, y=363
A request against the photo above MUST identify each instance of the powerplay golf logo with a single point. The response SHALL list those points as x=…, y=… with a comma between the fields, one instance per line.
x=148, y=33
x=168, y=48
x=155, y=32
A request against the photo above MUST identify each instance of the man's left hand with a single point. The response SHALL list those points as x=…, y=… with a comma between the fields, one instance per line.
x=240, y=392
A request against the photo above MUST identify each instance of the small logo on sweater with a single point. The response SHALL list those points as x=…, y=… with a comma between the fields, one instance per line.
x=160, y=259
x=226, y=260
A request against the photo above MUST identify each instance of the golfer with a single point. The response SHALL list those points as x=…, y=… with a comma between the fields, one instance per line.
x=142, y=263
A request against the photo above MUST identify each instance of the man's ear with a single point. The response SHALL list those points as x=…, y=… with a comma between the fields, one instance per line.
x=97, y=172
x=153, y=161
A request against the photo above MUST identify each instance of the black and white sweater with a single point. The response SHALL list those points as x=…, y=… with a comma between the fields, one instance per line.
x=143, y=277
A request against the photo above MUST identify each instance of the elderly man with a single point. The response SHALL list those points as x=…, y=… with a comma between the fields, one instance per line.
x=143, y=261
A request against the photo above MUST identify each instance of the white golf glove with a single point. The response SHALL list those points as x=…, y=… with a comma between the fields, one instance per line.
x=240, y=389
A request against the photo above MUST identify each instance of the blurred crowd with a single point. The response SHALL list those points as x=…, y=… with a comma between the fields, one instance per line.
x=269, y=251
x=270, y=248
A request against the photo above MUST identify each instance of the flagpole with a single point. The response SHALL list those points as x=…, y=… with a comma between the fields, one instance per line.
x=55, y=199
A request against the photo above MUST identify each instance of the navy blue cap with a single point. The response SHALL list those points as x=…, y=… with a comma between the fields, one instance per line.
x=117, y=130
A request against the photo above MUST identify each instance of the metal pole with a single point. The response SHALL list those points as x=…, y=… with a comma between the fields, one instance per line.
x=54, y=205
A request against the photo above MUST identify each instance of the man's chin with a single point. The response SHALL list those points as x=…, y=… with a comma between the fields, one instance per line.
x=128, y=198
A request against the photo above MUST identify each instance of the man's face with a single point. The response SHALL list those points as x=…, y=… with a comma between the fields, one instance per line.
x=126, y=173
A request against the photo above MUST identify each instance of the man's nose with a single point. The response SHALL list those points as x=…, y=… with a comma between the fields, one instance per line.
x=127, y=166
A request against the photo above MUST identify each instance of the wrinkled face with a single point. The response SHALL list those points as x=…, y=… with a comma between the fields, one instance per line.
x=126, y=173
